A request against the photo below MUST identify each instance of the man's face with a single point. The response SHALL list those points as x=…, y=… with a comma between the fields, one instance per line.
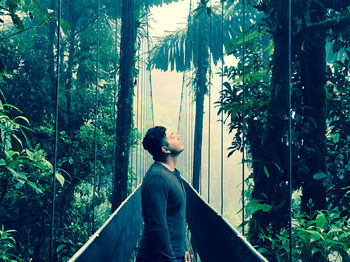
x=174, y=142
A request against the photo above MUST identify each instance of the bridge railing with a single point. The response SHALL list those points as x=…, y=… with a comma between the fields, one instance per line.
x=118, y=236
x=211, y=235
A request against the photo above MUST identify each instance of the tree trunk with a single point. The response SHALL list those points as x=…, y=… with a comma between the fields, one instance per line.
x=313, y=72
x=125, y=99
x=201, y=90
x=270, y=187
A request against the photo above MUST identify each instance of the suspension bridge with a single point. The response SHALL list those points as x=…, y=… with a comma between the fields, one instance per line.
x=212, y=238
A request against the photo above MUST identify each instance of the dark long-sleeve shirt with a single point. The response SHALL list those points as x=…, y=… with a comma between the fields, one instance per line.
x=164, y=213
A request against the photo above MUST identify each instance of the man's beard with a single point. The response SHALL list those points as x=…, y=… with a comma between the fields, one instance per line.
x=175, y=152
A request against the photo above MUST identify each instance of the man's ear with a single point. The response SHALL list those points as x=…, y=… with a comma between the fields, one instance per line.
x=165, y=150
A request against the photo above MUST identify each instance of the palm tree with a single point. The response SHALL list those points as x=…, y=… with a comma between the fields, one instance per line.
x=193, y=46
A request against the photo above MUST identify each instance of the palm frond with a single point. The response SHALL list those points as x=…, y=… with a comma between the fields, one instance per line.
x=172, y=50
x=150, y=3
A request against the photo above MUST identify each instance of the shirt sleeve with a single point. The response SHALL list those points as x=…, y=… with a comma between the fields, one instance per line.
x=155, y=201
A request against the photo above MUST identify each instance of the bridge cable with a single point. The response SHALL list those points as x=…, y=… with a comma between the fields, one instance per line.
x=138, y=147
x=222, y=115
x=209, y=99
x=59, y=10
x=188, y=100
x=150, y=70
x=180, y=111
x=141, y=72
x=290, y=125
x=96, y=113
x=181, y=101
x=243, y=117
x=115, y=91
x=145, y=97
x=191, y=130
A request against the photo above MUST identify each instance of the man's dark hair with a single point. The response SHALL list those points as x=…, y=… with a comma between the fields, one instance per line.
x=153, y=141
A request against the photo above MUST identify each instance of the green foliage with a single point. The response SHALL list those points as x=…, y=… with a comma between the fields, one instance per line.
x=18, y=164
x=25, y=182
x=7, y=246
x=29, y=66
x=325, y=236
x=338, y=139
x=257, y=92
x=20, y=10
x=263, y=112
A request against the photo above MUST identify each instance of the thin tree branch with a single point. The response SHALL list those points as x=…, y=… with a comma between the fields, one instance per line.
x=21, y=31
x=337, y=22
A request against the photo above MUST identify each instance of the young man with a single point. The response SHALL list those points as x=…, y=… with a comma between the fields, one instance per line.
x=163, y=201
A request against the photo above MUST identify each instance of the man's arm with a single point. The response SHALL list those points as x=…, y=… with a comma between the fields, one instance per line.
x=155, y=201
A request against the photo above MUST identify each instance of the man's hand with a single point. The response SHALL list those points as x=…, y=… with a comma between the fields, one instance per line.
x=187, y=257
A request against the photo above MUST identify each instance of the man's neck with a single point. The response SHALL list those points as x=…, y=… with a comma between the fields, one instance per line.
x=170, y=163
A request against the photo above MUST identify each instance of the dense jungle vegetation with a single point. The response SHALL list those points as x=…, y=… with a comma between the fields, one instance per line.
x=320, y=125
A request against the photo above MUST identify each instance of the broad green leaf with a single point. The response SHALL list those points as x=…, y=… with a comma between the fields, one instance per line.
x=60, y=178
x=320, y=220
x=12, y=153
x=255, y=205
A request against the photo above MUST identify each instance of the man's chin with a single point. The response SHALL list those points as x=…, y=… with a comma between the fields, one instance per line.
x=177, y=152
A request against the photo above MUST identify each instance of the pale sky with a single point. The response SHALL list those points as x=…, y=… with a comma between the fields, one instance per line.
x=166, y=96
x=167, y=85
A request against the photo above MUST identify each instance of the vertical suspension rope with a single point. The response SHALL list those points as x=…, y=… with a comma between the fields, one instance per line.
x=181, y=101
x=188, y=100
x=188, y=140
x=115, y=89
x=144, y=119
x=150, y=71
x=185, y=129
x=131, y=157
x=138, y=148
x=59, y=7
x=144, y=98
x=191, y=134
x=209, y=101
x=133, y=153
x=141, y=99
x=96, y=113
x=243, y=117
x=290, y=125
x=222, y=115
x=188, y=126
